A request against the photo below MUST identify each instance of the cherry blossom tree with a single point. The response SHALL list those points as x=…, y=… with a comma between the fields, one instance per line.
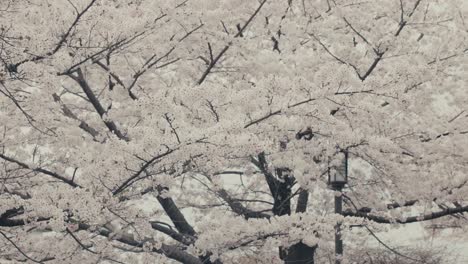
x=203, y=131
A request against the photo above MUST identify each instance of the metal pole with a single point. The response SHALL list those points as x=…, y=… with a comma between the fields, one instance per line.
x=338, y=241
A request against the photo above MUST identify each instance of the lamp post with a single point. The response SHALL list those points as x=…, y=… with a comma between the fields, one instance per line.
x=337, y=179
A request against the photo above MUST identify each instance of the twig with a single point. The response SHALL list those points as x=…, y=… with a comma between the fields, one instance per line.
x=79, y=242
x=19, y=249
x=173, y=129
x=221, y=53
x=132, y=178
x=41, y=170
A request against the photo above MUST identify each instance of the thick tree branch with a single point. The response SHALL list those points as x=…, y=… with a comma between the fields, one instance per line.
x=261, y=164
x=176, y=216
x=68, y=113
x=182, y=238
x=302, y=201
x=79, y=78
x=170, y=251
x=238, y=208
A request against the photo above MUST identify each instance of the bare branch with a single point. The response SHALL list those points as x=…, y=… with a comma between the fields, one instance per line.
x=96, y=56
x=191, y=32
x=251, y=123
x=173, y=129
x=242, y=29
x=62, y=39
x=79, y=242
x=221, y=53
x=41, y=170
x=135, y=176
x=212, y=64
x=360, y=35
x=19, y=249
x=403, y=22
x=146, y=66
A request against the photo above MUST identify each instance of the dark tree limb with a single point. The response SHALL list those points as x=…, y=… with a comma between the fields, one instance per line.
x=261, y=164
x=79, y=78
x=238, y=208
x=182, y=238
x=360, y=35
x=170, y=251
x=212, y=64
x=191, y=32
x=170, y=121
x=80, y=243
x=68, y=113
x=302, y=201
x=6, y=221
x=256, y=121
x=242, y=29
x=403, y=22
x=176, y=216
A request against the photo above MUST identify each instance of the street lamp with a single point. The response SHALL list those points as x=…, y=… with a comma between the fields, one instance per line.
x=337, y=179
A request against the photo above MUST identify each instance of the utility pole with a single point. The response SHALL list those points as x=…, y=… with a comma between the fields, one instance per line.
x=337, y=180
x=338, y=241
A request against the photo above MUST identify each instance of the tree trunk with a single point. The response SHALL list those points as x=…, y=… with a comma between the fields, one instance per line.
x=298, y=253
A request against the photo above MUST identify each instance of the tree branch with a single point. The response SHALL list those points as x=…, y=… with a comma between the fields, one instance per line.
x=176, y=216
x=170, y=251
x=403, y=22
x=68, y=113
x=135, y=176
x=41, y=170
x=238, y=208
x=96, y=104
x=182, y=238
x=19, y=249
x=411, y=219
x=302, y=201
x=62, y=39
x=221, y=53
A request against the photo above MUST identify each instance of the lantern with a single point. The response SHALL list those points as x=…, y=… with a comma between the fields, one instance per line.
x=338, y=175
